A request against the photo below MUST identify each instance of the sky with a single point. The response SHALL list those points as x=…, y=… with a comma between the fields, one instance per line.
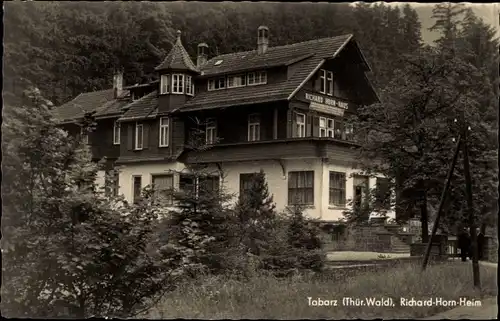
x=489, y=12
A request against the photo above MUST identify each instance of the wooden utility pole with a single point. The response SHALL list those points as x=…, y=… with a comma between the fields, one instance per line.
x=441, y=203
x=472, y=222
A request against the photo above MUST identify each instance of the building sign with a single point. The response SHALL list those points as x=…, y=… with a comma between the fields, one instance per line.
x=326, y=105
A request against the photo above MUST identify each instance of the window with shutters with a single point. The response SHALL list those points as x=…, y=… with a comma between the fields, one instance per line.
x=164, y=132
x=164, y=84
x=116, y=133
x=337, y=189
x=199, y=186
x=301, y=188
x=137, y=188
x=322, y=127
x=300, y=125
x=253, y=127
x=211, y=131
x=139, y=133
x=163, y=186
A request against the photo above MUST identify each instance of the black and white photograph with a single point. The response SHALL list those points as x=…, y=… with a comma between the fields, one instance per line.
x=250, y=160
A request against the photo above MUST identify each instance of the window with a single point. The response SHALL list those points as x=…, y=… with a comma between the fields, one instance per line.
x=383, y=193
x=236, y=81
x=177, y=84
x=137, y=188
x=322, y=81
x=189, y=85
x=360, y=190
x=208, y=184
x=326, y=82
x=116, y=133
x=339, y=130
x=246, y=181
x=329, y=82
x=322, y=127
x=251, y=78
x=253, y=127
x=300, y=123
x=186, y=183
x=211, y=131
x=164, y=84
x=218, y=83
x=164, y=124
x=330, y=128
x=163, y=186
x=257, y=78
x=337, y=189
x=301, y=188
x=138, y=136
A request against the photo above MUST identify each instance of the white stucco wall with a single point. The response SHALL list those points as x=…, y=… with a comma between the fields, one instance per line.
x=277, y=182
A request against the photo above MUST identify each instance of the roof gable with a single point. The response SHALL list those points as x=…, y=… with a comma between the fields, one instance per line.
x=178, y=58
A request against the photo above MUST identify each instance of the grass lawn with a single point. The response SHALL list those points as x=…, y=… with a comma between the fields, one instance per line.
x=270, y=298
x=363, y=256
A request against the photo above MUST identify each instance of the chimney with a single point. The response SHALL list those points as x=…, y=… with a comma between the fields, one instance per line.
x=262, y=39
x=202, y=54
x=118, y=83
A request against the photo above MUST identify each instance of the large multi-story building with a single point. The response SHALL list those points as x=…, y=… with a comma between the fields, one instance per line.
x=279, y=109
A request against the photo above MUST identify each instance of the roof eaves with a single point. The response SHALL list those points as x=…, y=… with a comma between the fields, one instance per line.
x=306, y=79
x=149, y=116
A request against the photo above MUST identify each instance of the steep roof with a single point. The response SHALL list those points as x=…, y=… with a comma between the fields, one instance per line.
x=274, y=56
x=146, y=106
x=303, y=58
x=177, y=58
x=102, y=102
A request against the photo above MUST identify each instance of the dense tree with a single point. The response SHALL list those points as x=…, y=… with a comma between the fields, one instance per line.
x=68, y=251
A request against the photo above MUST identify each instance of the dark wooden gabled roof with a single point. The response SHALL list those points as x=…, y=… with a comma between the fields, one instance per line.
x=274, y=56
x=178, y=58
x=101, y=102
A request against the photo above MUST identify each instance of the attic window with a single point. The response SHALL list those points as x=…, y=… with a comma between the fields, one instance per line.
x=218, y=62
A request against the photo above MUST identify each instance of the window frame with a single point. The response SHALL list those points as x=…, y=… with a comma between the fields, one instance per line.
x=330, y=128
x=341, y=177
x=246, y=180
x=136, y=140
x=293, y=190
x=164, y=134
x=255, y=126
x=165, y=87
x=117, y=130
x=232, y=77
x=299, y=126
x=322, y=81
x=189, y=86
x=178, y=79
x=322, y=129
x=211, y=128
x=329, y=83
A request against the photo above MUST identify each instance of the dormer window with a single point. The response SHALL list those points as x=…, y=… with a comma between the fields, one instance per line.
x=164, y=84
x=236, y=81
x=257, y=78
x=218, y=83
